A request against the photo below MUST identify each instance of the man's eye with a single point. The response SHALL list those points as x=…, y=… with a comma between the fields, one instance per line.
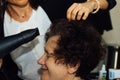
x=49, y=55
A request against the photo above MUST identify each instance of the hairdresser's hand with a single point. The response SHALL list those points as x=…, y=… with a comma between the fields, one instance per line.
x=79, y=11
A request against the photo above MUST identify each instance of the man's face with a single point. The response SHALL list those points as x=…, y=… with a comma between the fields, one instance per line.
x=50, y=69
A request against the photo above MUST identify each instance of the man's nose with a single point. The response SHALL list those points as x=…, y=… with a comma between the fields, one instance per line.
x=42, y=60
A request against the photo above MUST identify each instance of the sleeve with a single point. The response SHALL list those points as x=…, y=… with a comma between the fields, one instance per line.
x=112, y=3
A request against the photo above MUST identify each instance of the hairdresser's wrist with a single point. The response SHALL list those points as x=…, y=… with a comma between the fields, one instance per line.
x=94, y=2
x=96, y=5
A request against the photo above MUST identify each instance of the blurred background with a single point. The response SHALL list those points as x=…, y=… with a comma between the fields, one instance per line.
x=113, y=36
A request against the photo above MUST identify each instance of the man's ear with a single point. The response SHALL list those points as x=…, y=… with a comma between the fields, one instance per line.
x=72, y=69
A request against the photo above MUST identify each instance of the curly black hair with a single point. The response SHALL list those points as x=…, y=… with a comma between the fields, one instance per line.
x=79, y=43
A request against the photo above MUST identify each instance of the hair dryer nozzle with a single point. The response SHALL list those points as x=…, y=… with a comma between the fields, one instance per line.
x=10, y=43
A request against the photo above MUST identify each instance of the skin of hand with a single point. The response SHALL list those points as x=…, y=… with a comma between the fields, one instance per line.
x=79, y=11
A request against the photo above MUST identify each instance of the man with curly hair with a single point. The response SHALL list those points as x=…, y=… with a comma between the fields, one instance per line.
x=72, y=50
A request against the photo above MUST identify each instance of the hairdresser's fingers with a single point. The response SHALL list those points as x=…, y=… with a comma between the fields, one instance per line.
x=79, y=11
x=76, y=13
x=79, y=15
x=84, y=17
x=84, y=11
x=70, y=10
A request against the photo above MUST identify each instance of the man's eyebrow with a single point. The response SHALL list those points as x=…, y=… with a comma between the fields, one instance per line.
x=47, y=51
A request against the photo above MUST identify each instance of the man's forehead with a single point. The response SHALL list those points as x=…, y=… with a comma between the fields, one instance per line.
x=51, y=44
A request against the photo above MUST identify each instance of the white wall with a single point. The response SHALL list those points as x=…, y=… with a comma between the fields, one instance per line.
x=113, y=36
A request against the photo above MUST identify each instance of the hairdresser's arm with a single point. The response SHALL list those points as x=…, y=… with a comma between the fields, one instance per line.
x=79, y=11
x=112, y=3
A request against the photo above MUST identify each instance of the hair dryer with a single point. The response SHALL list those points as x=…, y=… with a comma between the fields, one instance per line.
x=10, y=43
